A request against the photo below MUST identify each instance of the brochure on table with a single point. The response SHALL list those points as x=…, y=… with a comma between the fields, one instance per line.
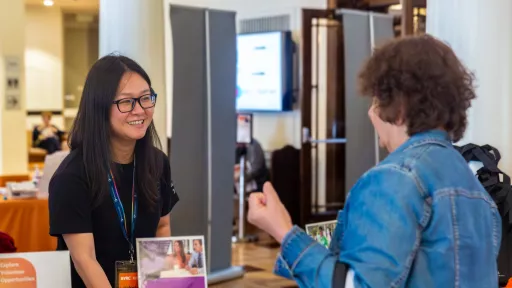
x=31, y=270
x=322, y=231
x=172, y=262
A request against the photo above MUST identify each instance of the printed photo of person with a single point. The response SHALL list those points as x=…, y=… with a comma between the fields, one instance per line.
x=176, y=257
x=172, y=262
x=321, y=232
x=320, y=236
x=196, y=263
x=329, y=229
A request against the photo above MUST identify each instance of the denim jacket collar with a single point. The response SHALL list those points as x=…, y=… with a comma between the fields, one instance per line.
x=432, y=136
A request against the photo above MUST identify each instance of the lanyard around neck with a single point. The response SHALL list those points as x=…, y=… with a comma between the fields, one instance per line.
x=114, y=193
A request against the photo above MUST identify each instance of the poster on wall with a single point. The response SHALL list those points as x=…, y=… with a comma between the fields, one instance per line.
x=171, y=262
x=12, y=65
x=12, y=101
x=12, y=83
x=31, y=270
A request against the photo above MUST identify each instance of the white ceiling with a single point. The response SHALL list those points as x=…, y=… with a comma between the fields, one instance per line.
x=70, y=5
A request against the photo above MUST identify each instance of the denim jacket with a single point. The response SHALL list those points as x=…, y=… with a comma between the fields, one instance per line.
x=420, y=218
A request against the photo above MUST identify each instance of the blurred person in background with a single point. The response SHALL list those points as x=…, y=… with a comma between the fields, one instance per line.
x=256, y=171
x=420, y=218
x=46, y=135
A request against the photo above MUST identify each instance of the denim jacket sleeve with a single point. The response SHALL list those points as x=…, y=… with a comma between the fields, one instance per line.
x=385, y=215
x=306, y=261
x=381, y=233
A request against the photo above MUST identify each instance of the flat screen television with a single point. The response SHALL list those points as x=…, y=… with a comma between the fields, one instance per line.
x=264, y=72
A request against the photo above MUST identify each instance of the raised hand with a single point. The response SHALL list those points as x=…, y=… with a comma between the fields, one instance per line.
x=268, y=213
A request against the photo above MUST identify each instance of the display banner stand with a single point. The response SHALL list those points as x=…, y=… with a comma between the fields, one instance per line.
x=203, y=131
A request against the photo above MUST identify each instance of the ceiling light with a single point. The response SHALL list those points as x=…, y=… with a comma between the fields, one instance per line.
x=48, y=2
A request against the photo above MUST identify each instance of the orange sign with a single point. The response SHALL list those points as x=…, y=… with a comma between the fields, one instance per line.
x=17, y=273
x=127, y=280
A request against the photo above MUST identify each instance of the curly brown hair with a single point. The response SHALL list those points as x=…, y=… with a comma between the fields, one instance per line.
x=420, y=82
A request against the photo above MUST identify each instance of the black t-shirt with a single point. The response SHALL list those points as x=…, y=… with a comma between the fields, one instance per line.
x=70, y=205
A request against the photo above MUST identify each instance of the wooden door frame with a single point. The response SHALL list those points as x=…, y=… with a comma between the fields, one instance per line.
x=305, y=193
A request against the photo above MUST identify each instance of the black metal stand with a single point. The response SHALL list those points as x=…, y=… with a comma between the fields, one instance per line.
x=241, y=237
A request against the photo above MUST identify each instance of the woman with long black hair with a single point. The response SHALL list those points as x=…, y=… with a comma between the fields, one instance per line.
x=115, y=185
x=179, y=254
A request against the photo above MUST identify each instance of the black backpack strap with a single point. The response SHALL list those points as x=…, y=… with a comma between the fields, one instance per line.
x=467, y=151
x=489, y=176
x=487, y=159
x=506, y=193
x=486, y=178
x=494, y=151
x=507, y=206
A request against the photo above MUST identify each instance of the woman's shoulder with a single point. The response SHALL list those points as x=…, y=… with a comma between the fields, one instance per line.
x=69, y=182
x=71, y=167
x=159, y=153
x=162, y=158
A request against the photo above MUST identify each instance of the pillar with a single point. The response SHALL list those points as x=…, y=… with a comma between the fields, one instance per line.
x=13, y=135
x=135, y=29
x=480, y=34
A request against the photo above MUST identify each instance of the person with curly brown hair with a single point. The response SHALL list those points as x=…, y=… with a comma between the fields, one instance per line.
x=420, y=218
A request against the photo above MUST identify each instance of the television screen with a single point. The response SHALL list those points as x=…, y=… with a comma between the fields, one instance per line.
x=264, y=64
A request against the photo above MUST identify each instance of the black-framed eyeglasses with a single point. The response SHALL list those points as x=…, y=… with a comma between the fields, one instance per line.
x=126, y=105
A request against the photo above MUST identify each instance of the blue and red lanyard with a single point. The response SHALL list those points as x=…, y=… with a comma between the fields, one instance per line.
x=120, y=209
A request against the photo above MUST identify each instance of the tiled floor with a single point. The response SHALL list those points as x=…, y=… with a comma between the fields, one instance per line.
x=259, y=261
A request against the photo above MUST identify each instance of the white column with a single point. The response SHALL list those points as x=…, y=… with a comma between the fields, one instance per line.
x=135, y=29
x=480, y=32
x=13, y=133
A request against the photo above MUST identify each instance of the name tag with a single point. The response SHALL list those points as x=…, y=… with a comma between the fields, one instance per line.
x=126, y=274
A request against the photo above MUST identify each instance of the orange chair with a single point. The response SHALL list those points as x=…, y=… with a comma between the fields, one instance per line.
x=34, y=154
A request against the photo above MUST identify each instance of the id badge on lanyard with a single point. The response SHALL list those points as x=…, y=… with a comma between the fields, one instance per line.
x=126, y=274
x=126, y=271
